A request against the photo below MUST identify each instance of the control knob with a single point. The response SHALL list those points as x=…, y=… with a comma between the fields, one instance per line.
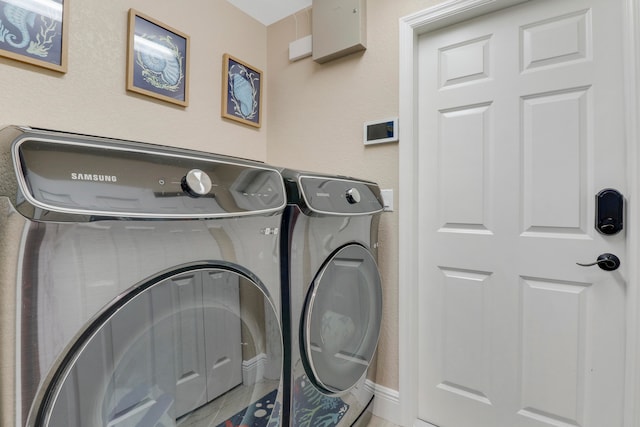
x=353, y=196
x=196, y=183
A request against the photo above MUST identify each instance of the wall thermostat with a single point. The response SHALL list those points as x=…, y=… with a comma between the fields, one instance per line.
x=379, y=131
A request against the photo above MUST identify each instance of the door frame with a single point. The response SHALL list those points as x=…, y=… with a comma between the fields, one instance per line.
x=448, y=13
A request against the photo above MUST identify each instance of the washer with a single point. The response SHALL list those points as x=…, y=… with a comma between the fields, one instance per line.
x=332, y=297
x=139, y=284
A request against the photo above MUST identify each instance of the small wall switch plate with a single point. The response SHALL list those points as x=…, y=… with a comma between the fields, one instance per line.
x=300, y=48
x=387, y=200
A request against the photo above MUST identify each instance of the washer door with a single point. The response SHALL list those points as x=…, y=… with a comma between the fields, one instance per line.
x=183, y=350
x=341, y=323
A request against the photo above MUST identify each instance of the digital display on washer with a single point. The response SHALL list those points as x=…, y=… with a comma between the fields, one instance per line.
x=100, y=179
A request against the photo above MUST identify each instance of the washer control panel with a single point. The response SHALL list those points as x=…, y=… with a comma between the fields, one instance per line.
x=142, y=180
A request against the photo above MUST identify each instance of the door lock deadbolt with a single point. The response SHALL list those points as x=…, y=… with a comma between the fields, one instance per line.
x=609, y=211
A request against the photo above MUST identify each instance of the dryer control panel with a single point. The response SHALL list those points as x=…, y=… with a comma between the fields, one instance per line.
x=340, y=196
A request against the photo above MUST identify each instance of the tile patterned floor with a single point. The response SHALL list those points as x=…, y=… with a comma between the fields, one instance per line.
x=227, y=406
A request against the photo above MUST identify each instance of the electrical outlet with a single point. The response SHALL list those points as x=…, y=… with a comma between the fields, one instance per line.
x=387, y=199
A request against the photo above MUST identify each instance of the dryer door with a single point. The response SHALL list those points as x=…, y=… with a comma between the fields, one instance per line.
x=191, y=348
x=341, y=323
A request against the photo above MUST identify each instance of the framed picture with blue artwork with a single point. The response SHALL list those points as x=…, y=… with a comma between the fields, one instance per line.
x=157, y=60
x=241, y=91
x=35, y=32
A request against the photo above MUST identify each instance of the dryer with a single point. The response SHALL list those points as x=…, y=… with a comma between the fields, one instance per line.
x=332, y=298
x=139, y=284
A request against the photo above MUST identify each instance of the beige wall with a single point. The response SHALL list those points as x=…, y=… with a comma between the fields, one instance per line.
x=316, y=112
x=91, y=96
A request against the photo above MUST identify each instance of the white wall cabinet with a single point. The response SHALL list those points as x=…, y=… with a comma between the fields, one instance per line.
x=339, y=28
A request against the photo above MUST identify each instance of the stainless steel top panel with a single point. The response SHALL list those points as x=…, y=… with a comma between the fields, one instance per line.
x=51, y=175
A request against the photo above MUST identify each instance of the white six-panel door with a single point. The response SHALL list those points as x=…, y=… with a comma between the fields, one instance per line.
x=521, y=123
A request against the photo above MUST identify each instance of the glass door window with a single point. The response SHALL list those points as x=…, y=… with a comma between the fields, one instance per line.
x=341, y=324
x=173, y=356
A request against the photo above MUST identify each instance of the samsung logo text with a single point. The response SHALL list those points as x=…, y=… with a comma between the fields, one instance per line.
x=75, y=176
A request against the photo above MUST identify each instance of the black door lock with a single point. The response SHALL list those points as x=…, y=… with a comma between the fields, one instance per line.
x=609, y=211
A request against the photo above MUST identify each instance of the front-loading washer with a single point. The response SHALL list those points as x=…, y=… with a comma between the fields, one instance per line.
x=332, y=298
x=139, y=285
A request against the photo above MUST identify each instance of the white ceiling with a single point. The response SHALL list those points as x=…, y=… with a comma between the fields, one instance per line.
x=270, y=11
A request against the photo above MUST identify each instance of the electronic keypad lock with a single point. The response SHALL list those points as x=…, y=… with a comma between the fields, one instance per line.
x=609, y=211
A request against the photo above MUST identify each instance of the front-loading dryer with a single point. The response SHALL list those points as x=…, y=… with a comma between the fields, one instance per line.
x=139, y=285
x=332, y=298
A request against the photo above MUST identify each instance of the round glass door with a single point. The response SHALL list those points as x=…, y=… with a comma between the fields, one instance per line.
x=341, y=324
x=182, y=352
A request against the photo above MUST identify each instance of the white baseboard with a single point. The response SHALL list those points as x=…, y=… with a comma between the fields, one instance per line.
x=386, y=404
x=253, y=369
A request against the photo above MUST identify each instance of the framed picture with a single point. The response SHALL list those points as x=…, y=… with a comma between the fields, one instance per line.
x=35, y=32
x=241, y=91
x=157, y=60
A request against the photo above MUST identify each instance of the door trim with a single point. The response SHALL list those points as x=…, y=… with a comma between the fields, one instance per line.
x=442, y=15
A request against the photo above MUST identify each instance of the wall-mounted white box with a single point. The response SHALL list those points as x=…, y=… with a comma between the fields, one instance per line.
x=300, y=48
x=339, y=28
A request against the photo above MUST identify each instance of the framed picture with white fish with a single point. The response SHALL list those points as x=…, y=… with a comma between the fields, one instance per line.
x=157, y=60
x=241, y=91
x=35, y=32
